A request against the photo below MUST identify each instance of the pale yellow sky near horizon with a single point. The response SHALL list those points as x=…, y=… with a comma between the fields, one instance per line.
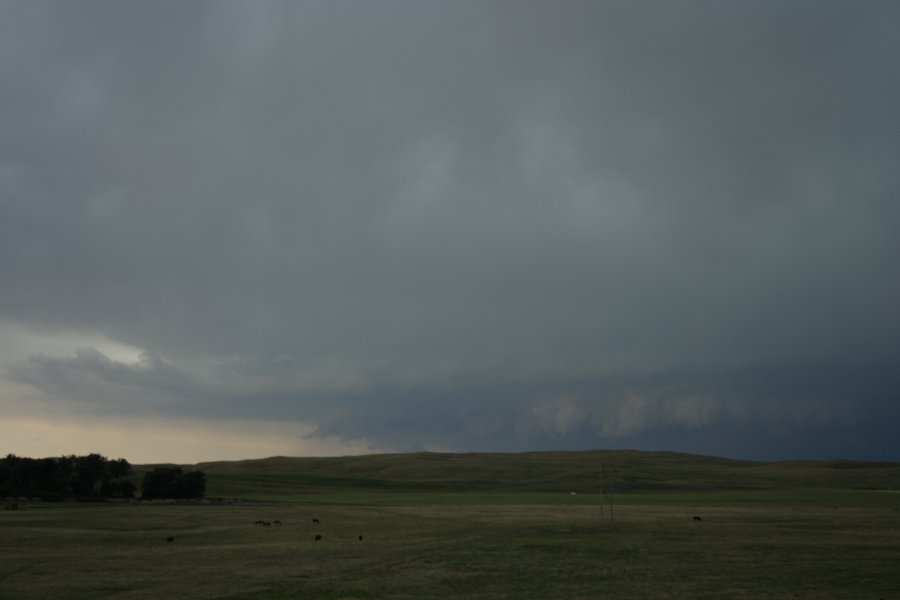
x=142, y=441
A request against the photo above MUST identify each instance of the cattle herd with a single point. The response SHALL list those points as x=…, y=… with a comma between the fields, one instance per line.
x=315, y=521
x=267, y=523
x=277, y=522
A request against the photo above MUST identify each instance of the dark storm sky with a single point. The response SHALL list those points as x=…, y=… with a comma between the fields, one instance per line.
x=457, y=225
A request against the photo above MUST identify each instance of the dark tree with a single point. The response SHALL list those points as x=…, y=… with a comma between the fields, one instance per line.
x=116, y=481
x=88, y=478
x=194, y=484
x=6, y=475
x=173, y=482
x=121, y=488
x=163, y=482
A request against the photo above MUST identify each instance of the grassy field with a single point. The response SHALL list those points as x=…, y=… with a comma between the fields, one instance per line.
x=498, y=538
x=283, y=478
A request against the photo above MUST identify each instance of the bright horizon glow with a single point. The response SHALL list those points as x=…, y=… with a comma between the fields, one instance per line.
x=149, y=441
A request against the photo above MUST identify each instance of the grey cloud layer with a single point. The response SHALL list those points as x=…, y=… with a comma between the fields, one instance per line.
x=413, y=208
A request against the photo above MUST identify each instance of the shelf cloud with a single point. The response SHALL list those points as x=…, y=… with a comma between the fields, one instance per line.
x=454, y=225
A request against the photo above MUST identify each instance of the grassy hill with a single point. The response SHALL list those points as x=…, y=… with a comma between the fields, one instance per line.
x=536, y=472
x=476, y=526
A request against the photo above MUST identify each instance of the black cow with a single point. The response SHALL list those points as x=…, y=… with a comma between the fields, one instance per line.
x=170, y=539
x=318, y=537
x=316, y=521
x=696, y=518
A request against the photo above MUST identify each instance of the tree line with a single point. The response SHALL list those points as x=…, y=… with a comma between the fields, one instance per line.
x=93, y=477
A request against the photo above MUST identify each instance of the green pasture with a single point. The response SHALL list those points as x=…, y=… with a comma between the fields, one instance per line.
x=476, y=547
x=526, y=537
x=282, y=478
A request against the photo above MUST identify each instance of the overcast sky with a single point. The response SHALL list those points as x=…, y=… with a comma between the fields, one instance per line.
x=237, y=229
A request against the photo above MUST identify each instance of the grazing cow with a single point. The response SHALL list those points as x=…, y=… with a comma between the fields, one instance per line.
x=318, y=537
x=276, y=522
x=360, y=538
x=258, y=523
x=696, y=518
x=170, y=539
x=316, y=521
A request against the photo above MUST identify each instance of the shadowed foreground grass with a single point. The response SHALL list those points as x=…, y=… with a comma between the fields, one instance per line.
x=460, y=546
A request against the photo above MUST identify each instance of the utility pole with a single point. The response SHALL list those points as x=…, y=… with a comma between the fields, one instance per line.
x=607, y=476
